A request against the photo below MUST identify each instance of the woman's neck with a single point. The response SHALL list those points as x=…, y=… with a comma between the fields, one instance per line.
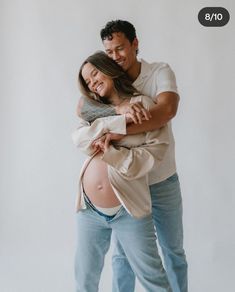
x=115, y=98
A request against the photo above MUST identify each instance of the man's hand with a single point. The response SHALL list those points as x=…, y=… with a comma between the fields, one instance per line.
x=137, y=113
x=132, y=118
x=164, y=110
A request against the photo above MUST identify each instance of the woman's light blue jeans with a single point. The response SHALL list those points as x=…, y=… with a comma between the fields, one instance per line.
x=167, y=216
x=137, y=237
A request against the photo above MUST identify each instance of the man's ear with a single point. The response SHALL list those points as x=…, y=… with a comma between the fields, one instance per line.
x=135, y=43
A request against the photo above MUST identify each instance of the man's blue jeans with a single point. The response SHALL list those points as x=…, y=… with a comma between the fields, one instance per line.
x=137, y=236
x=167, y=216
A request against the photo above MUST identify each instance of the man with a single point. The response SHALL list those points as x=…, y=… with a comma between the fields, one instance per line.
x=156, y=80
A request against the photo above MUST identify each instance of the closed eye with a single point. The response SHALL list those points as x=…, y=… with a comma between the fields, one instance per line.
x=87, y=82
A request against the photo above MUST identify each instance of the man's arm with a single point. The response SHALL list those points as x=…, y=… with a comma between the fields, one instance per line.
x=164, y=110
x=90, y=110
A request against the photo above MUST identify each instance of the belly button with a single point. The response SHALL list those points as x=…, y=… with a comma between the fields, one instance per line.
x=100, y=187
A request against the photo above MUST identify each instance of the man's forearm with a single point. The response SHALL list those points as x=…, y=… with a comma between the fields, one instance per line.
x=156, y=122
x=91, y=110
x=161, y=114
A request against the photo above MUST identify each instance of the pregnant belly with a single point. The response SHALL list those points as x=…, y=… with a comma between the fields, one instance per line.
x=96, y=184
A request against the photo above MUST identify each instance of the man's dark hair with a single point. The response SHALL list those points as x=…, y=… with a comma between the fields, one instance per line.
x=118, y=26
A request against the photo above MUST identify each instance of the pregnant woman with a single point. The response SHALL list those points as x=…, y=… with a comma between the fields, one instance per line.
x=113, y=187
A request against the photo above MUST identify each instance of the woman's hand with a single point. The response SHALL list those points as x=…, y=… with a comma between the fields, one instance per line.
x=99, y=144
x=104, y=141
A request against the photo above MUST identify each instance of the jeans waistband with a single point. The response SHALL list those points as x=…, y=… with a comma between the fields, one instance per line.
x=88, y=201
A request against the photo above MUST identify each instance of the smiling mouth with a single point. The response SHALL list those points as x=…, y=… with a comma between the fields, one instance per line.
x=121, y=63
x=99, y=87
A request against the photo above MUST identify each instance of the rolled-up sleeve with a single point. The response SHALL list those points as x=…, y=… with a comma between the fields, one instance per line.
x=86, y=133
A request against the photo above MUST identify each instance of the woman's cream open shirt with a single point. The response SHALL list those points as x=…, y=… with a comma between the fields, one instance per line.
x=129, y=160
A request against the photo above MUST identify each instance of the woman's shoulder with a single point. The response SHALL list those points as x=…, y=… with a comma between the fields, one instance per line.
x=145, y=100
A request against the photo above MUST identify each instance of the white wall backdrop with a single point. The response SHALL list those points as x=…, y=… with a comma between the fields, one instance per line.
x=42, y=46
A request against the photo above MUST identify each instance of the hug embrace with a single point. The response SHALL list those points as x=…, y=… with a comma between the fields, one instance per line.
x=128, y=187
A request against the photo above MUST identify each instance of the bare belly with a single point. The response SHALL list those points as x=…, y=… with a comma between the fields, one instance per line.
x=97, y=186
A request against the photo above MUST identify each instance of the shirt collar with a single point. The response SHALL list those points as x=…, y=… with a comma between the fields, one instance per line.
x=145, y=70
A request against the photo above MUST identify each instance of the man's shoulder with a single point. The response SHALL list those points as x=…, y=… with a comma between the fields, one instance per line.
x=155, y=78
x=150, y=68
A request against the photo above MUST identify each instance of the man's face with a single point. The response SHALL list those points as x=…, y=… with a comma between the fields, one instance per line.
x=121, y=50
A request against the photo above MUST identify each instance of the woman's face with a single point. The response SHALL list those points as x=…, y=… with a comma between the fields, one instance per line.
x=97, y=81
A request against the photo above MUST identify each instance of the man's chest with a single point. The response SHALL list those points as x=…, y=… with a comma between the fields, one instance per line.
x=147, y=86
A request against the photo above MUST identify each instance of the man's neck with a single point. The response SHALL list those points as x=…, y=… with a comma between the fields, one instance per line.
x=134, y=71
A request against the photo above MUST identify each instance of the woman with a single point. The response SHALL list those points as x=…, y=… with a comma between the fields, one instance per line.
x=113, y=188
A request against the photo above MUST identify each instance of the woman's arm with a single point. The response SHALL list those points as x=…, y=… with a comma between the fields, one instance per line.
x=90, y=110
x=138, y=161
x=86, y=133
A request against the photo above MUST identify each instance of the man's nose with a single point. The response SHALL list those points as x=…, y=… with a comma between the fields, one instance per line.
x=116, y=56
